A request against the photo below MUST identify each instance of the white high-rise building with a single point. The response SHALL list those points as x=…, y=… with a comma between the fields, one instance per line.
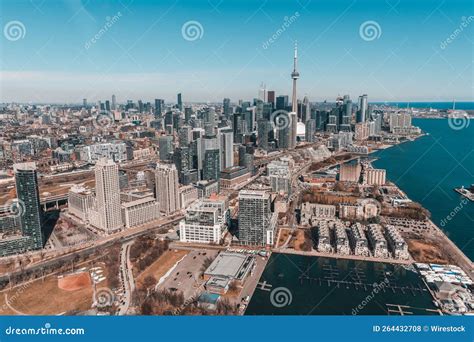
x=226, y=147
x=109, y=211
x=167, y=188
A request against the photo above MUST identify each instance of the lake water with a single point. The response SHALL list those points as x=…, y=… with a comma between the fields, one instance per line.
x=429, y=168
x=304, y=285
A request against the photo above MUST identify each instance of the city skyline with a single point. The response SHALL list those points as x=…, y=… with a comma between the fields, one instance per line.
x=222, y=50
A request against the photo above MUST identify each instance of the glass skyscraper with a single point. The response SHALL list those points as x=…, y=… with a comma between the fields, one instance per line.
x=26, y=179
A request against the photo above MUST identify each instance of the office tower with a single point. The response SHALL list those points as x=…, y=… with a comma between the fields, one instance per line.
x=282, y=102
x=247, y=117
x=242, y=151
x=180, y=102
x=140, y=106
x=267, y=111
x=262, y=93
x=310, y=130
x=256, y=222
x=258, y=109
x=182, y=160
x=26, y=182
x=306, y=110
x=158, y=108
x=293, y=129
x=84, y=103
x=236, y=126
x=169, y=119
x=210, y=121
x=107, y=105
x=333, y=121
x=322, y=118
x=107, y=190
x=226, y=108
x=263, y=129
x=188, y=112
x=346, y=115
x=295, y=75
x=185, y=135
x=114, y=102
x=177, y=121
x=165, y=143
x=226, y=146
x=211, y=166
x=284, y=136
x=362, y=112
x=271, y=97
x=167, y=188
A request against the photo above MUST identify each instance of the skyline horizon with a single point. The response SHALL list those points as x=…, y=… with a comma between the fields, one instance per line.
x=166, y=101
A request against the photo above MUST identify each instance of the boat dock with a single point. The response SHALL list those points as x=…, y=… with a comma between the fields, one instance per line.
x=465, y=193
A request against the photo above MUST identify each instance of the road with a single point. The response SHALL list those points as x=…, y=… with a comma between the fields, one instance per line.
x=68, y=253
x=252, y=280
x=126, y=276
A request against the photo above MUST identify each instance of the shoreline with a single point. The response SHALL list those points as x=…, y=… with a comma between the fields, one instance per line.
x=456, y=249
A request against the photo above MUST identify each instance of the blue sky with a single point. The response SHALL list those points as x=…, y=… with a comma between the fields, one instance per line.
x=144, y=55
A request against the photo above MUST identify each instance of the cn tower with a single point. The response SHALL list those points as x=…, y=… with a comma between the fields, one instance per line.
x=295, y=75
x=294, y=103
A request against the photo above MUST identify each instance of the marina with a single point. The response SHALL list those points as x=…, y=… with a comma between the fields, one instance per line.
x=468, y=193
x=326, y=286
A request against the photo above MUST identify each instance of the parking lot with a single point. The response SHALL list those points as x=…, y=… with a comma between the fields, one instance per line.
x=185, y=276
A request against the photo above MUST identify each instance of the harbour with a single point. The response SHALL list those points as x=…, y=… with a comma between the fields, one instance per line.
x=327, y=286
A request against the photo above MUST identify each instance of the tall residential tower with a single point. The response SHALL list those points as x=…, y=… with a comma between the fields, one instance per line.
x=108, y=196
